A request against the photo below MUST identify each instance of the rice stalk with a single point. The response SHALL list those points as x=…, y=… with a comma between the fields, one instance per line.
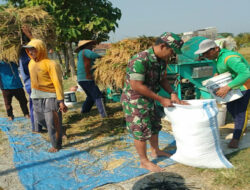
x=110, y=70
x=11, y=21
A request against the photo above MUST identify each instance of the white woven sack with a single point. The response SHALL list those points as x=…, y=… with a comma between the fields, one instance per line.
x=195, y=129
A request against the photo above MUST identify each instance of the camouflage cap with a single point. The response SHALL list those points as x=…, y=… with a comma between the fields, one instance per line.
x=173, y=40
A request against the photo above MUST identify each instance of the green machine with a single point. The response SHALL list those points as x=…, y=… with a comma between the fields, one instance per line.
x=185, y=74
x=188, y=72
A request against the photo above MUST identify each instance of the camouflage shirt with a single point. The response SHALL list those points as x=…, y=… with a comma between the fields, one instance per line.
x=145, y=67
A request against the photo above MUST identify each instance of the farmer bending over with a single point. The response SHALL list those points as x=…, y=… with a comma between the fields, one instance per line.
x=145, y=73
x=46, y=91
x=237, y=65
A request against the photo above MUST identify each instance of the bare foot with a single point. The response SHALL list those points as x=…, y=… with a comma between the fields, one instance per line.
x=160, y=153
x=40, y=131
x=27, y=116
x=64, y=137
x=52, y=150
x=234, y=143
x=151, y=166
x=11, y=118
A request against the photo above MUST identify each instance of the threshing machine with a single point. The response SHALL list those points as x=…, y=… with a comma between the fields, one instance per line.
x=185, y=74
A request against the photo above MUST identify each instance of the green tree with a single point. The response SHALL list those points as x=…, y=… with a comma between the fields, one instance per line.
x=242, y=39
x=77, y=20
x=225, y=34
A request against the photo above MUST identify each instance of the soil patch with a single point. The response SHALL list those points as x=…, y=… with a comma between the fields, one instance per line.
x=8, y=175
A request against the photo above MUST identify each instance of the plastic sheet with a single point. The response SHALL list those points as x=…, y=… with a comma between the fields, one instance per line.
x=70, y=168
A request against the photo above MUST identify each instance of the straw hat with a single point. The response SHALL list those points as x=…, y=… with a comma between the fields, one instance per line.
x=81, y=43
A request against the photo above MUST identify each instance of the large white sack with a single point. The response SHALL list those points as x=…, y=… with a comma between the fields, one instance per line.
x=195, y=129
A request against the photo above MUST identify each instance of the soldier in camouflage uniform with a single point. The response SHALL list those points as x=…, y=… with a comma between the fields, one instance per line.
x=146, y=72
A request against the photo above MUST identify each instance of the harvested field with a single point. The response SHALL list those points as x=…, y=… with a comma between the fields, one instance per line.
x=90, y=128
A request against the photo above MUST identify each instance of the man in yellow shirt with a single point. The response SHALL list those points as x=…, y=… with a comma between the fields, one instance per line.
x=47, y=91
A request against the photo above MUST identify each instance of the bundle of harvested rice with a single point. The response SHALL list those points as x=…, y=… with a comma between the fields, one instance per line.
x=11, y=21
x=110, y=70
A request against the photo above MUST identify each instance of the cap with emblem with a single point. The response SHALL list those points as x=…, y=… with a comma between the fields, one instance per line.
x=172, y=40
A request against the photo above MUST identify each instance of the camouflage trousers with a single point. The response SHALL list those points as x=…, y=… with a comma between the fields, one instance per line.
x=141, y=121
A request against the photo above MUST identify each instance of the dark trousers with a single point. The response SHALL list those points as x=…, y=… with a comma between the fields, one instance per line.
x=19, y=95
x=238, y=110
x=31, y=114
x=94, y=95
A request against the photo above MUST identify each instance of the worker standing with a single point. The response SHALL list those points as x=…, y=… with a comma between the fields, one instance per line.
x=46, y=91
x=237, y=65
x=24, y=60
x=85, y=62
x=11, y=85
x=145, y=73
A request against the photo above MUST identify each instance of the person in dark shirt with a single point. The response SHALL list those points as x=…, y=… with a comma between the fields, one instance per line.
x=11, y=85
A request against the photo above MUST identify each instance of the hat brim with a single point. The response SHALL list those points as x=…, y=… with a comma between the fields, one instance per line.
x=201, y=51
x=81, y=47
x=28, y=46
x=78, y=48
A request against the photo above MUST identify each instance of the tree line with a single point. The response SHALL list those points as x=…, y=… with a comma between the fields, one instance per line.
x=86, y=20
x=76, y=20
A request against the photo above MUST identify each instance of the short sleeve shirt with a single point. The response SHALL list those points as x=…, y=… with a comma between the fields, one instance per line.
x=145, y=67
x=81, y=72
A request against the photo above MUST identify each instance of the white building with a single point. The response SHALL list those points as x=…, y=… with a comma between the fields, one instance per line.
x=209, y=32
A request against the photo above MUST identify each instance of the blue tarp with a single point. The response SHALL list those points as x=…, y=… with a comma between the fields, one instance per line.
x=71, y=168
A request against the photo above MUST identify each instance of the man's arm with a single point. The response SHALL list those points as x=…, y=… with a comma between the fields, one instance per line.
x=142, y=89
x=23, y=63
x=27, y=32
x=90, y=54
x=242, y=70
x=55, y=74
x=243, y=73
x=56, y=77
x=167, y=87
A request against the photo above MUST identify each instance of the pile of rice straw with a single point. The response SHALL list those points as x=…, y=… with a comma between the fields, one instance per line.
x=12, y=19
x=110, y=70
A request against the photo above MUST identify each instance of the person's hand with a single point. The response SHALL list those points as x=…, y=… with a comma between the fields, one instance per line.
x=222, y=92
x=63, y=107
x=182, y=102
x=175, y=99
x=165, y=102
x=216, y=74
x=26, y=30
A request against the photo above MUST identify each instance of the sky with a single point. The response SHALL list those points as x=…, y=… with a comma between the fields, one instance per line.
x=153, y=17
